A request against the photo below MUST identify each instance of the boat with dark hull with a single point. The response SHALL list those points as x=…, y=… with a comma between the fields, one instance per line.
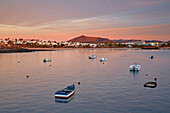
x=47, y=60
x=65, y=93
x=150, y=84
x=152, y=57
x=92, y=57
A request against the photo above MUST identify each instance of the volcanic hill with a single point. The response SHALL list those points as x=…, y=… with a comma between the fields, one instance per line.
x=89, y=39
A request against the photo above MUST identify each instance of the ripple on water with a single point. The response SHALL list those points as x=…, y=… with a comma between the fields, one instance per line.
x=108, y=87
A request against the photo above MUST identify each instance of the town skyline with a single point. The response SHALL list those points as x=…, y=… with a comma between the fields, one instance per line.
x=64, y=20
x=69, y=40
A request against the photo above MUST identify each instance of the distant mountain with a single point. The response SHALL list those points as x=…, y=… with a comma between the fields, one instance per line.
x=123, y=41
x=89, y=39
x=150, y=41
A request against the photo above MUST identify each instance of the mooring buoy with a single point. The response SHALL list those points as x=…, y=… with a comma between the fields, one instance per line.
x=155, y=79
x=27, y=76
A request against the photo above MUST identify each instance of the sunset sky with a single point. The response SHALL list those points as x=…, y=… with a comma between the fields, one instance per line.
x=62, y=20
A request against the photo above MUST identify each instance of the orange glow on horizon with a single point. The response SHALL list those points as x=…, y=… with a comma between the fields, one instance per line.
x=152, y=32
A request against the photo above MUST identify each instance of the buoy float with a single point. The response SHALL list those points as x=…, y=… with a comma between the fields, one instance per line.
x=27, y=76
x=103, y=62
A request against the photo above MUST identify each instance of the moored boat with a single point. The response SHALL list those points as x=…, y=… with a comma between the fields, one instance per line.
x=150, y=84
x=92, y=57
x=152, y=57
x=103, y=59
x=135, y=67
x=66, y=92
x=47, y=60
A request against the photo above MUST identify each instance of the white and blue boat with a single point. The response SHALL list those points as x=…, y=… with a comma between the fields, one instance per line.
x=92, y=57
x=103, y=59
x=47, y=60
x=65, y=93
x=135, y=67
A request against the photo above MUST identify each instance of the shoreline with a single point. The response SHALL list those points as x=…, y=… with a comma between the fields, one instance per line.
x=20, y=50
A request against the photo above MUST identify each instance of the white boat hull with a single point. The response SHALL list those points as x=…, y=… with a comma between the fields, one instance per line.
x=103, y=59
x=135, y=67
x=64, y=96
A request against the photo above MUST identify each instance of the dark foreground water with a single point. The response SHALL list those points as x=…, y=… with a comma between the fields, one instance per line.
x=104, y=88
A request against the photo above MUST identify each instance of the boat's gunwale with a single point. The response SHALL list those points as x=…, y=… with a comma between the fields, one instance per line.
x=65, y=93
x=64, y=96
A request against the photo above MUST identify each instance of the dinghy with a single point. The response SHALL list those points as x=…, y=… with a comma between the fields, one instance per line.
x=150, y=84
x=66, y=92
x=135, y=67
x=47, y=60
x=103, y=59
x=92, y=57
x=152, y=57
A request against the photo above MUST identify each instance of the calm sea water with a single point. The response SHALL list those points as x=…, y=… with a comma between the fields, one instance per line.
x=104, y=88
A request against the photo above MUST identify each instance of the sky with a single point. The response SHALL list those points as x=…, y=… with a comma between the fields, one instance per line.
x=62, y=20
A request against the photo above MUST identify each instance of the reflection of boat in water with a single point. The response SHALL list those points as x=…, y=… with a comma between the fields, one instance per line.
x=92, y=57
x=59, y=100
x=47, y=60
x=103, y=59
x=135, y=73
x=135, y=67
x=150, y=84
x=65, y=93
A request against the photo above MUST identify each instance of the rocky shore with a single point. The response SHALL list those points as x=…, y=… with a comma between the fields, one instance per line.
x=18, y=50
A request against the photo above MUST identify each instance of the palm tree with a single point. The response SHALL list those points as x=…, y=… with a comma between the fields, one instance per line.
x=20, y=39
x=16, y=40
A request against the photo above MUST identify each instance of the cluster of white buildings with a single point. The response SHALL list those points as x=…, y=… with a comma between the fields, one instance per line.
x=143, y=43
x=40, y=42
x=77, y=44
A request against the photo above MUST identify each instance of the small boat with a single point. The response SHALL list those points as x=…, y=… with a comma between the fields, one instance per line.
x=92, y=57
x=65, y=93
x=152, y=57
x=135, y=67
x=150, y=84
x=103, y=59
x=47, y=60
